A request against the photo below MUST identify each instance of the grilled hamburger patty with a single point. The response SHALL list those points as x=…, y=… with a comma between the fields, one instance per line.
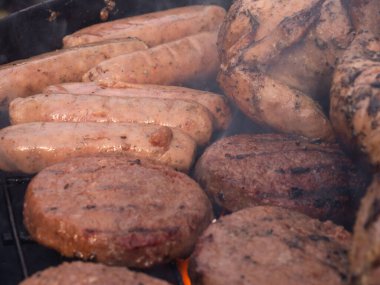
x=365, y=250
x=281, y=170
x=270, y=246
x=116, y=211
x=80, y=273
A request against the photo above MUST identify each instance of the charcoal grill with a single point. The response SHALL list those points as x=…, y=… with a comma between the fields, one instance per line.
x=29, y=32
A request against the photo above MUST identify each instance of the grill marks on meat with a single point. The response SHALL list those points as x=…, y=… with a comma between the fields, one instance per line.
x=90, y=274
x=293, y=172
x=355, y=96
x=270, y=245
x=274, y=66
x=365, y=251
x=116, y=211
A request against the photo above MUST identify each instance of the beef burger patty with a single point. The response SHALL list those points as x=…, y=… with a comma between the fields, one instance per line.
x=311, y=177
x=81, y=273
x=270, y=246
x=116, y=211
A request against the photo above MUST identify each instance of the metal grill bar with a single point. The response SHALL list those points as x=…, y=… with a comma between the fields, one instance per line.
x=14, y=230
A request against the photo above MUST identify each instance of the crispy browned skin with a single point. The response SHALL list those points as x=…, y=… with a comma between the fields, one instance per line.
x=31, y=147
x=116, y=211
x=365, y=251
x=30, y=76
x=366, y=15
x=153, y=28
x=314, y=178
x=215, y=103
x=277, y=56
x=80, y=273
x=355, y=97
x=270, y=246
x=190, y=117
x=184, y=61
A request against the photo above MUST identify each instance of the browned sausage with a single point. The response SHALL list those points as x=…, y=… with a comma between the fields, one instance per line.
x=153, y=28
x=183, y=61
x=215, y=103
x=190, y=117
x=27, y=77
x=31, y=147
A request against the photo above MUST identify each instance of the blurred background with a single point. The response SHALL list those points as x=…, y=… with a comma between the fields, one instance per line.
x=9, y=6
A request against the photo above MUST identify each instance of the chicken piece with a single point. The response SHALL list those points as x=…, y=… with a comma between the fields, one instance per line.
x=365, y=250
x=355, y=98
x=277, y=56
x=366, y=15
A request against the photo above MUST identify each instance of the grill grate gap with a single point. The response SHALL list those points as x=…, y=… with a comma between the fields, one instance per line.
x=16, y=238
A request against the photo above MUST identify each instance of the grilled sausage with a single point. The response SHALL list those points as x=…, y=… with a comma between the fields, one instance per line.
x=153, y=28
x=31, y=147
x=215, y=103
x=190, y=117
x=81, y=273
x=27, y=77
x=270, y=246
x=136, y=213
x=184, y=61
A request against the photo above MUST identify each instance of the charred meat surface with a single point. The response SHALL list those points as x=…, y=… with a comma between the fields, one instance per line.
x=355, y=98
x=365, y=251
x=311, y=177
x=270, y=246
x=116, y=211
x=81, y=273
x=278, y=56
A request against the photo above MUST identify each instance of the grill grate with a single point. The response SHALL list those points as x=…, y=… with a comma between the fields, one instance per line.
x=20, y=257
x=15, y=234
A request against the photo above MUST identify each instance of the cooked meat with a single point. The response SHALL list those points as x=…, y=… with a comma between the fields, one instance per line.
x=270, y=246
x=189, y=117
x=185, y=61
x=365, y=251
x=215, y=103
x=311, y=177
x=80, y=273
x=30, y=76
x=31, y=147
x=153, y=28
x=355, y=97
x=277, y=56
x=366, y=15
x=116, y=211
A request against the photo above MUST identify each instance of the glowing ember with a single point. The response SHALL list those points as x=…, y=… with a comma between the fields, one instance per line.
x=182, y=265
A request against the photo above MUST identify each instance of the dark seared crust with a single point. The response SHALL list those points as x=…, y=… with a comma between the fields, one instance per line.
x=270, y=246
x=80, y=273
x=311, y=177
x=116, y=211
x=365, y=251
x=355, y=97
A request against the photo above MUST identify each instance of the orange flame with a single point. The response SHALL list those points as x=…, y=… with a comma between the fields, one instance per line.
x=183, y=265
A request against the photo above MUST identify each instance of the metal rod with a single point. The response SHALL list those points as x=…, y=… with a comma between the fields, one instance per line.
x=15, y=233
